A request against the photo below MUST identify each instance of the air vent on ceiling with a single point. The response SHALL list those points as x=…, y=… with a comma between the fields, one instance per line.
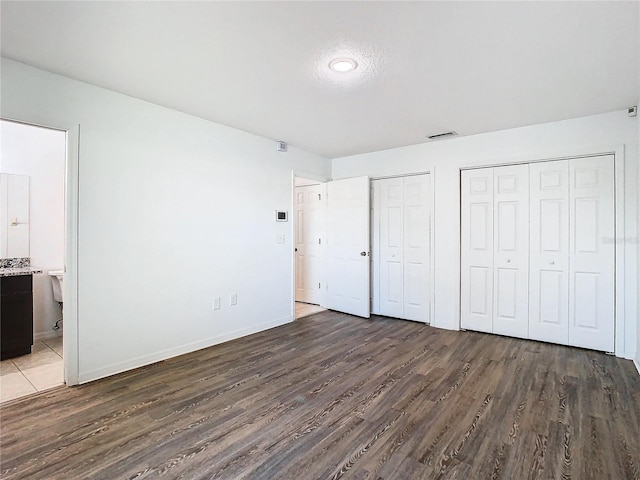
x=442, y=135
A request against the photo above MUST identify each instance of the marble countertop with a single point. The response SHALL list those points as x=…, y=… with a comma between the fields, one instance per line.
x=16, y=271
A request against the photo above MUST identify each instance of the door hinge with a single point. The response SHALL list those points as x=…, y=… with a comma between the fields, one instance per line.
x=319, y=196
x=318, y=284
x=319, y=241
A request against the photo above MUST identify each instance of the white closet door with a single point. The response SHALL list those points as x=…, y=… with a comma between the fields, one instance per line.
x=348, y=246
x=309, y=234
x=511, y=250
x=476, y=275
x=592, y=244
x=391, y=246
x=549, y=256
x=416, y=242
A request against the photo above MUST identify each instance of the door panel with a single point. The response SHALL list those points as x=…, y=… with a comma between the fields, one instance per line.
x=511, y=250
x=592, y=250
x=417, y=248
x=309, y=210
x=391, y=247
x=549, y=252
x=402, y=274
x=476, y=276
x=550, y=274
x=347, y=239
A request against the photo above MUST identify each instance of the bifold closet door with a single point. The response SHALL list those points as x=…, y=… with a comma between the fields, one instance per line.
x=417, y=243
x=511, y=250
x=549, y=257
x=390, y=255
x=495, y=250
x=476, y=275
x=403, y=280
x=592, y=253
x=538, y=251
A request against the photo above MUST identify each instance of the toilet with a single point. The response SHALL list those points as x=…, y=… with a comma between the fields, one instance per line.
x=56, y=284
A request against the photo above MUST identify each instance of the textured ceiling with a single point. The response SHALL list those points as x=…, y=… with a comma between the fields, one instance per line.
x=424, y=67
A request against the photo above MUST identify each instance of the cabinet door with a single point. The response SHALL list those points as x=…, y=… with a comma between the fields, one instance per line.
x=417, y=238
x=592, y=249
x=549, y=257
x=476, y=276
x=511, y=250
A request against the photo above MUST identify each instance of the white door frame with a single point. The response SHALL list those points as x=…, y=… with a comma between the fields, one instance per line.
x=619, y=161
x=292, y=231
x=71, y=339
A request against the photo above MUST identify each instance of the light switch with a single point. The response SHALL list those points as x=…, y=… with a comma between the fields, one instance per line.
x=281, y=238
x=216, y=303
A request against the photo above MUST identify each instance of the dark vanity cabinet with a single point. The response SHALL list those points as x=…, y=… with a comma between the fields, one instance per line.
x=16, y=315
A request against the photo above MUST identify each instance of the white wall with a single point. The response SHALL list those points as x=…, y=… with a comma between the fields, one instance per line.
x=40, y=153
x=444, y=158
x=173, y=210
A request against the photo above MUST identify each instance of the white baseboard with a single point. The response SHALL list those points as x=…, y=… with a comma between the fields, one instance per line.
x=46, y=335
x=141, y=361
x=636, y=362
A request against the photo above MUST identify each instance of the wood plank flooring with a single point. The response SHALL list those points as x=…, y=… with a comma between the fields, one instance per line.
x=333, y=396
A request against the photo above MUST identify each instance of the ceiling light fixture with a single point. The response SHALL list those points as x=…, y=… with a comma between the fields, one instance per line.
x=343, y=65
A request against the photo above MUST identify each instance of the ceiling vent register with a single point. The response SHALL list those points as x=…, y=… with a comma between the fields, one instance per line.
x=437, y=136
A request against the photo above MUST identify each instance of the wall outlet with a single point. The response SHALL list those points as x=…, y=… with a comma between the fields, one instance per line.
x=216, y=303
x=281, y=238
x=233, y=299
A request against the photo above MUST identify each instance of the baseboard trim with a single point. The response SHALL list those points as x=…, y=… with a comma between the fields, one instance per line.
x=636, y=362
x=113, y=369
x=46, y=335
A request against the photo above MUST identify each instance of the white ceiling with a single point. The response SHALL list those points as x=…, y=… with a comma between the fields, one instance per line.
x=425, y=67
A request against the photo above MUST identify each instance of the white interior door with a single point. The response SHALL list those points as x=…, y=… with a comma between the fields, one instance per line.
x=549, y=255
x=309, y=211
x=391, y=246
x=592, y=248
x=348, y=246
x=417, y=247
x=476, y=275
x=511, y=250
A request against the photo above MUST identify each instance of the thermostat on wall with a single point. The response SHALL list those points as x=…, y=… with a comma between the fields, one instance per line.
x=281, y=216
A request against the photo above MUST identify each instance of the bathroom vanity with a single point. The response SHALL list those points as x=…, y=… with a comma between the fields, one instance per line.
x=16, y=310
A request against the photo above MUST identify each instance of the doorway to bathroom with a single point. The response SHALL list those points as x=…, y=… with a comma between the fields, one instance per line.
x=33, y=173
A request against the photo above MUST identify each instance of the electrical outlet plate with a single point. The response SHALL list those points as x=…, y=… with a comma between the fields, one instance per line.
x=216, y=303
x=233, y=299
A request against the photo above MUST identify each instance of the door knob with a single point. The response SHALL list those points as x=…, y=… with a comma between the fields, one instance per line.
x=508, y=260
x=364, y=254
x=296, y=249
x=552, y=262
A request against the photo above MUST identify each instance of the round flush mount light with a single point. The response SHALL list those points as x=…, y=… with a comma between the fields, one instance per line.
x=343, y=65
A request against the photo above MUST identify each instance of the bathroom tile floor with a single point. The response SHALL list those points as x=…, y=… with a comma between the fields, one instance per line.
x=306, y=309
x=28, y=374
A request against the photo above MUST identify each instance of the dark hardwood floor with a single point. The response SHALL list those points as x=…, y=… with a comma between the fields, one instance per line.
x=333, y=396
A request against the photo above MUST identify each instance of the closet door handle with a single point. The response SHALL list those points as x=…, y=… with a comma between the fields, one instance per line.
x=552, y=262
x=363, y=254
x=508, y=260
